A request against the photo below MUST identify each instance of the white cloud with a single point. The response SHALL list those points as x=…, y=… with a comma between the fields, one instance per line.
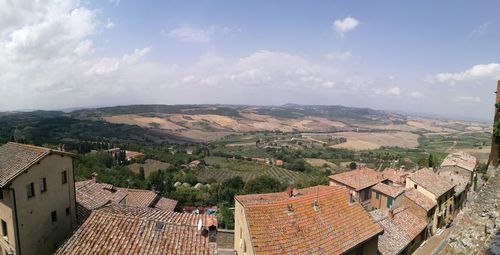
x=136, y=55
x=416, y=95
x=478, y=31
x=484, y=71
x=192, y=34
x=395, y=91
x=110, y=24
x=467, y=99
x=115, y=2
x=345, y=25
x=339, y=55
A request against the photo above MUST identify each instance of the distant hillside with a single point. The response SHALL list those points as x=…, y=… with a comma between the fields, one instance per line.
x=157, y=124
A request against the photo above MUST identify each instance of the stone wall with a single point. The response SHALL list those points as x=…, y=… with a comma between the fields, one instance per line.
x=477, y=227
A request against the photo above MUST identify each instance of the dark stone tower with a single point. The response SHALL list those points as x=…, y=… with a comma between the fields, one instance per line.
x=493, y=161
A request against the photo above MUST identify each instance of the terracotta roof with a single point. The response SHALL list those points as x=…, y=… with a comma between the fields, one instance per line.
x=133, y=154
x=431, y=181
x=141, y=198
x=420, y=199
x=459, y=180
x=271, y=198
x=135, y=230
x=292, y=225
x=399, y=230
x=91, y=195
x=166, y=204
x=358, y=179
x=388, y=190
x=460, y=159
x=16, y=157
x=409, y=222
x=397, y=176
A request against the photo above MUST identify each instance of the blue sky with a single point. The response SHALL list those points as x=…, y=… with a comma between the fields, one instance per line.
x=437, y=57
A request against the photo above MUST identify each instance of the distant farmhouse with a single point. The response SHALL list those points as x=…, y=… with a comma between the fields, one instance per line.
x=37, y=199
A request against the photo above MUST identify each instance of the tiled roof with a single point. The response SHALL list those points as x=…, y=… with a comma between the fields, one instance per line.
x=409, y=222
x=134, y=230
x=271, y=198
x=431, y=181
x=420, y=199
x=292, y=225
x=399, y=230
x=16, y=157
x=133, y=154
x=388, y=190
x=459, y=180
x=358, y=179
x=91, y=195
x=140, y=198
x=166, y=204
x=460, y=159
x=396, y=176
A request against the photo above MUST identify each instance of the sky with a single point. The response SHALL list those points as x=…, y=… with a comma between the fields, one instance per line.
x=434, y=57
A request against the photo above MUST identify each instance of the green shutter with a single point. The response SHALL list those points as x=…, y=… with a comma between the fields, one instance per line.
x=389, y=202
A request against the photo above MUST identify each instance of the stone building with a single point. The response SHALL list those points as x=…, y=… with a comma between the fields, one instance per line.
x=439, y=190
x=358, y=182
x=37, y=199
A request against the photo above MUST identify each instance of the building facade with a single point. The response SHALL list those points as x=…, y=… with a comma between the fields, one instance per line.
x=438, y=190
x=358, y=182
x=386, y=197
x=37, y=205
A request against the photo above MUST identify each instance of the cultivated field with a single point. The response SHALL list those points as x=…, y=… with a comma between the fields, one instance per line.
x=150, y=166
x=282, y=174
x=224, y=168
x=374, y=140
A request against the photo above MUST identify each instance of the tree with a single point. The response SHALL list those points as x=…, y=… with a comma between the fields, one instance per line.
x=141, y=173
x=353, y=165
x=432, y=161
x=263, y=184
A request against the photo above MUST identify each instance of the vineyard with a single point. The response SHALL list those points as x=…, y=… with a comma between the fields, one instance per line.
x=284, y=175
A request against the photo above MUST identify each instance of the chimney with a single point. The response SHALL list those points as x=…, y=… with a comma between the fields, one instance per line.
x=391, y=213
x=94, y=176
x=289, y=190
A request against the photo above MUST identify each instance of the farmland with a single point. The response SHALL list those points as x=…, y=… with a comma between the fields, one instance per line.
x=149, y=166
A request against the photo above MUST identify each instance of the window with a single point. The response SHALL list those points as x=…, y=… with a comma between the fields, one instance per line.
x=377, y=195
x=415, y=186
x=67, y=210
x=54, y=216
x=43, y=184
x=1, y=194
x=30, y=190
x=389, y=202
x=64, y=177
x=4, y=228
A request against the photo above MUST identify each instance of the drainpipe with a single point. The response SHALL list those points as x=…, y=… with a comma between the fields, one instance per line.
x=18, y=241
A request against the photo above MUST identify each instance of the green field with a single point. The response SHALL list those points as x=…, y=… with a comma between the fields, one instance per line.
x=224, y=168
x=445, y=142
